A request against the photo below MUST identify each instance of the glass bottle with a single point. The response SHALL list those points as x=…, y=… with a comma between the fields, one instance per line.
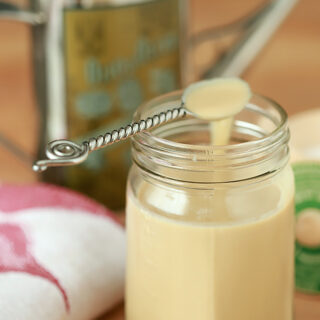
x=211, y=229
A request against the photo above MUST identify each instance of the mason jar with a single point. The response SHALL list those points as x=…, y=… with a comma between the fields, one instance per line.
x=210, y=229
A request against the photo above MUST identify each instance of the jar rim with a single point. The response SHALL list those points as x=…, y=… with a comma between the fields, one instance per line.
x=211, y=158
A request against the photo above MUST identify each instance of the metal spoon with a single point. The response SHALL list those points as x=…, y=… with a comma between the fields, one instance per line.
x=66, y=153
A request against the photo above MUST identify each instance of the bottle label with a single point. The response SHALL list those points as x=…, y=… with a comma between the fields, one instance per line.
x=307, y=204
x=115, y=59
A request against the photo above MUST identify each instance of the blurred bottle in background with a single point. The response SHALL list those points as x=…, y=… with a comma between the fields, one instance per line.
x=115, y=55
x=305, y=159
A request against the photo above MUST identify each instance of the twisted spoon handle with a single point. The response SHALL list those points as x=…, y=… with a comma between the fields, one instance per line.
x=66, y=153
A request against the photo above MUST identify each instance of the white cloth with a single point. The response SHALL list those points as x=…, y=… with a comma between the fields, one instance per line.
x=63, y=261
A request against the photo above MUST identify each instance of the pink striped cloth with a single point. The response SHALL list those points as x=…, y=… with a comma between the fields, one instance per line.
x=62, y=255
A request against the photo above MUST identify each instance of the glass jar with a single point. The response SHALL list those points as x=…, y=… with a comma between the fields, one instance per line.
x=211, y=228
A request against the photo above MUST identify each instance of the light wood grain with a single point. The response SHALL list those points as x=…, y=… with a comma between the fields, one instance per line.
x=116, y=314
x=288, y=70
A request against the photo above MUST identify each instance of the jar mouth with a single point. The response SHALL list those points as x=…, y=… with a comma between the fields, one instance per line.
x=259, y=139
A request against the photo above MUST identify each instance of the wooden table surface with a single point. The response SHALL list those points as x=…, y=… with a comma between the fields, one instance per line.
x=287, y=70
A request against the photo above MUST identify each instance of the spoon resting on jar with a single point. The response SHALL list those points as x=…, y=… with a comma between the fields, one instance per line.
x=217, y=100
